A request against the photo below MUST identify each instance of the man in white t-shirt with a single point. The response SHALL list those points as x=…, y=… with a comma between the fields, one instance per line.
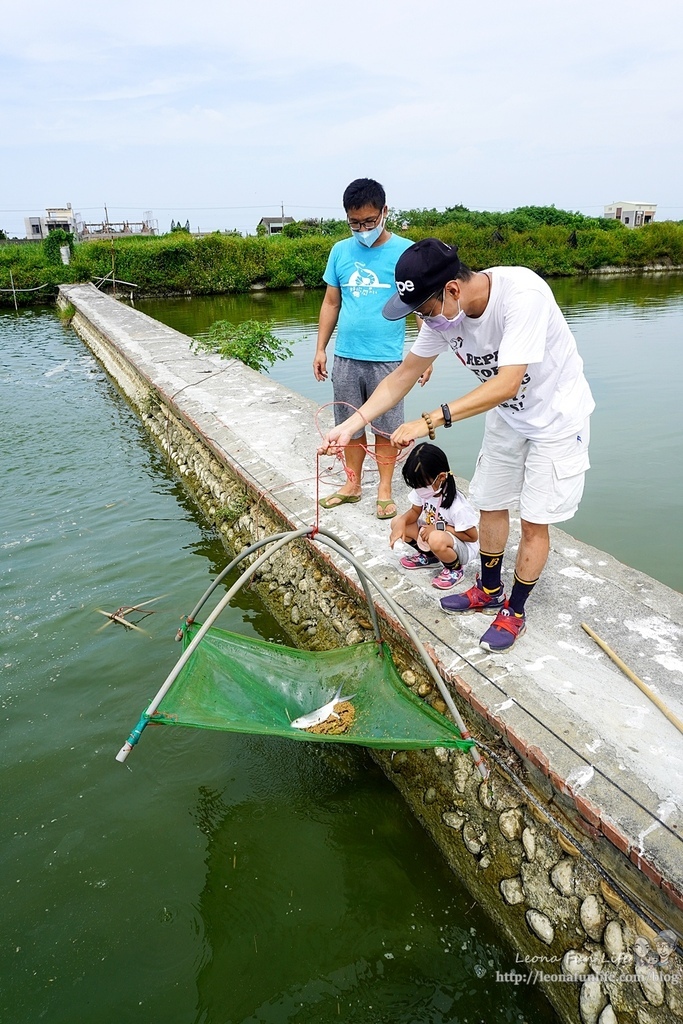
x=505, y=325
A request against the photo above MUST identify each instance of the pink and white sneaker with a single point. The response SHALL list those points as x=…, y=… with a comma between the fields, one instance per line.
x=423, y=560
x=447, y=578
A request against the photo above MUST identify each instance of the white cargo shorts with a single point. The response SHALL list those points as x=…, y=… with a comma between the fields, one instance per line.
x=543, y=479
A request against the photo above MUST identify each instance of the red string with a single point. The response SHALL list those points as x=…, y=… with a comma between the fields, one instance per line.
x=322, y=473
x=370, y=449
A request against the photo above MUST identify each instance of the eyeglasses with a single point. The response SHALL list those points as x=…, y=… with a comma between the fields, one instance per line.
x=429, y=316
x=365, y=225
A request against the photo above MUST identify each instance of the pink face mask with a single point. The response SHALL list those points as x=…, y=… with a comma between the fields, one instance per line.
x=435, y=492
x=426, y=494
x=442, y=323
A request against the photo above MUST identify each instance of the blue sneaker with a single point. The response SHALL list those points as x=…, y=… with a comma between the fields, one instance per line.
x=474, y=600
x=503, y=631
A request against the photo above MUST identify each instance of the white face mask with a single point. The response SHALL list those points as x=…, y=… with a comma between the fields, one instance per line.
x=441, y=322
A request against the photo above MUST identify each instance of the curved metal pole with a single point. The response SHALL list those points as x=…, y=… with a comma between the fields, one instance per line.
x=292, y=534
x=201, y=633
x=336, y=544
x=235, y=562
x=431, y=667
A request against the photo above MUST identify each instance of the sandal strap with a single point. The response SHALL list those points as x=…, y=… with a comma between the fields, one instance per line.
x=505, y=622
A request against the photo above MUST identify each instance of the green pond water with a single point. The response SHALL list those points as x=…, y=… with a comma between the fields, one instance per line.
x=217, y=879
x=213, y=878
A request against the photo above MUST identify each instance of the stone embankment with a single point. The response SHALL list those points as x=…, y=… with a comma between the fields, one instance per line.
x=573, y=844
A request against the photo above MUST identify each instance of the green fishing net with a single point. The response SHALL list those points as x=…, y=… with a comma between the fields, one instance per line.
x=240, y=684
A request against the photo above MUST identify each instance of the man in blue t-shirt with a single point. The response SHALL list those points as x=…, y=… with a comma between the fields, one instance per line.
x=360, y=280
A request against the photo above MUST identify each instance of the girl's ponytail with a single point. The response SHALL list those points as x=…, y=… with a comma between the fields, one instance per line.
x=448, y=491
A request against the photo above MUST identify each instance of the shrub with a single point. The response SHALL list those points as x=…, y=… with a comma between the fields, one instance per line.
x=252, y=342
x=54, y=242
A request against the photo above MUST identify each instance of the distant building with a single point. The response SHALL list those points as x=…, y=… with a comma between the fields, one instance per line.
x=55, y=217
x=633, y=215
x=274, y=225
x=64, y=217
x=119, y=229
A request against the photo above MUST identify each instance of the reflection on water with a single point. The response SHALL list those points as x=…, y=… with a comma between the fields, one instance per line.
x=213, y=878
x=629, y=333
x=320, y=904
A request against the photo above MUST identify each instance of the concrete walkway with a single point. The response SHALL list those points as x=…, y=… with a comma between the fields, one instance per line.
x=557, y=697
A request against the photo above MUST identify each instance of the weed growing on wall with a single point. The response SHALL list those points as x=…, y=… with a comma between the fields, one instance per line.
x=252, y=342
x=53, y=243
x=235, y=508
x=66, y=313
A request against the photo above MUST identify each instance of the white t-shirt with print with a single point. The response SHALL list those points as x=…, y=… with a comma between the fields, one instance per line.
x=522, y=325
x=461, y=516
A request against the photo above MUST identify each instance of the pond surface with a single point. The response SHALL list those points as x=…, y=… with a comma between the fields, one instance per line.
x=630, y=335
x=213, y=879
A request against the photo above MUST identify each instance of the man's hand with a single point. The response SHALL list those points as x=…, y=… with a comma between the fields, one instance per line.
x=423, y=378
x=409, y=432
x=320, y=366
x=335, y=441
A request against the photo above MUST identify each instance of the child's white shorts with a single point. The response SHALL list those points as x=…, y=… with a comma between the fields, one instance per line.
x=544, y=479
x=466, y=550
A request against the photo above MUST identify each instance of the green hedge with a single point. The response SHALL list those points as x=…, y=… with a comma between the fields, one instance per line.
x=178, y=263
x=556, y=251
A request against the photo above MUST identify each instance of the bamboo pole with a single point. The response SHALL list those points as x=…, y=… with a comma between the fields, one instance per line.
x=634, y=679
x=14, y=292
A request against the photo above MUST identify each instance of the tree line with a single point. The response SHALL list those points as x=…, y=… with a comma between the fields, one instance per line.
x=550, y=241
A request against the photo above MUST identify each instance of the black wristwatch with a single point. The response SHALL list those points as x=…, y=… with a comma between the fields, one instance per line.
x=447, y=421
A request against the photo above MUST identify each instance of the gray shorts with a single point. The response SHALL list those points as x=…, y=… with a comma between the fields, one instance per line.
x=353, y=381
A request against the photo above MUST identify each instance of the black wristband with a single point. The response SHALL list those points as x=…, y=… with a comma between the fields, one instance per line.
x=447, y=421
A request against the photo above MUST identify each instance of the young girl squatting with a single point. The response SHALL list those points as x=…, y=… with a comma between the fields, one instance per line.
x=440, y=524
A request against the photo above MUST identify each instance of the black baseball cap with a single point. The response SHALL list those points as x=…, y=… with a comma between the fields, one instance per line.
x=421, y=272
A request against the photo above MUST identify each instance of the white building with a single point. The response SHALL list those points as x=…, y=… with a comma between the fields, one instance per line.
x=633, y=215
x=274, y=225
x=55, y=217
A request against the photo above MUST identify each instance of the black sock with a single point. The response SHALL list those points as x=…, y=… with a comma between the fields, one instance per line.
x=491, y=568
x=452, y=565
x=520, y=592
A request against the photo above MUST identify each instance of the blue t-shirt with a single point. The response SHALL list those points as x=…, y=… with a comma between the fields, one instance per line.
x=365, y=277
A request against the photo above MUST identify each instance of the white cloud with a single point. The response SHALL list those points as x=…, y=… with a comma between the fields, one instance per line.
x=493, y=105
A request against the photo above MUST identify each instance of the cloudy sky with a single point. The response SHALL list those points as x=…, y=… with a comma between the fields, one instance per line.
x=218, y=112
